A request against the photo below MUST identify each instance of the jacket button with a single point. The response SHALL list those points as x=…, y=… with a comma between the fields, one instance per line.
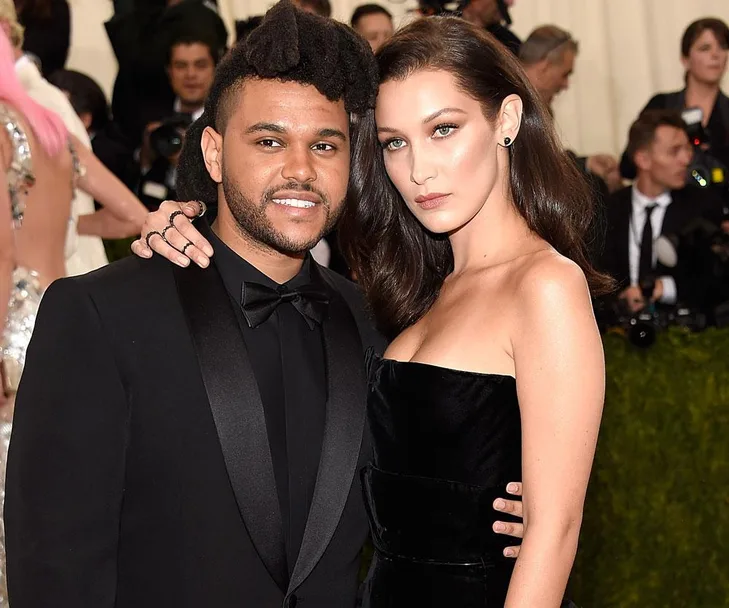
x=293, y=601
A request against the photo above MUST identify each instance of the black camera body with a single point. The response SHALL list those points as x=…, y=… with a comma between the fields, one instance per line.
x=642, y=327
x=167, y=139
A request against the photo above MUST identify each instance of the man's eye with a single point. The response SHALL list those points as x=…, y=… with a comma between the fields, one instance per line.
x=324, y=147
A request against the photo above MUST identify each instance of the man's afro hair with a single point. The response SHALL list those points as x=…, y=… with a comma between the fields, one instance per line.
x=292, y=46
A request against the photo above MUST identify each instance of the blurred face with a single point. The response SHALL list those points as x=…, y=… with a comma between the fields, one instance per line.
x=706, y=61
x=555, y=75
x=485, y=11
x=667, y=159
x=191, y=72
x=375, y=29
x=283, y=162
x=440, y=151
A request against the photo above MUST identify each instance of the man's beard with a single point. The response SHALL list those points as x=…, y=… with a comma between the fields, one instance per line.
x=254, y=224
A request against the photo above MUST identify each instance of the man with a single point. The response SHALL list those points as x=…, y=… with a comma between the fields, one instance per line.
x=191, y=62
x=141, y=39
x=203, y=446
x=548, y=56
x=658, y=203
x=493, y=15
x=85, y=250
x=374, y=23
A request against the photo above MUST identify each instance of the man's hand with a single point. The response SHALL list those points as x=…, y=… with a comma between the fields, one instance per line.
x=515, y=508
x=633, y=297
x=607, y=168
x=657, y=291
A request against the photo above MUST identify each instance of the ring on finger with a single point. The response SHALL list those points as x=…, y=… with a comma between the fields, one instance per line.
x=184, y=249
x=173, y=215
x=203, y=208
x=164, y=232
x=150, y=235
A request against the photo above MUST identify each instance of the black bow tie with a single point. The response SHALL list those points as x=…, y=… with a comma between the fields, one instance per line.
x=259, y=302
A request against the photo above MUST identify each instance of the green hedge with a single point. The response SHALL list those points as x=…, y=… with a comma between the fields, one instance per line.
x=116, y=250
x=656, y=526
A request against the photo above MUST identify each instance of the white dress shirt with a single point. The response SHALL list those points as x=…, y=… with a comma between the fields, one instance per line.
x=637, y=222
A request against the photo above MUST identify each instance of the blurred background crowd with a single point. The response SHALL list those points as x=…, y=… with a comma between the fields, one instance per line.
x=144, y=67
x=634, y=86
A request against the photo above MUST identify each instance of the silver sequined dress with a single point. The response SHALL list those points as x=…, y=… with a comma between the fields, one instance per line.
x=25, y=297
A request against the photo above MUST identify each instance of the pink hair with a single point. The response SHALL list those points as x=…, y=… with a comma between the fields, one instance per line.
x=46, y=125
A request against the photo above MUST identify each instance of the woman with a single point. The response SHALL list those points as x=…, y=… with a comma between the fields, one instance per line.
x=38, y=174
x=467, y=237
x=704, y=49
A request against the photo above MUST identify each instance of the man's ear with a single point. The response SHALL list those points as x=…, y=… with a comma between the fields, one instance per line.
x=211, y=144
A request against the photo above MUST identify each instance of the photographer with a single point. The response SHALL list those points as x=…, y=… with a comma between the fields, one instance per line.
x=190, y=68
x=658, y=203
x=140, y=35
x=704, y=49
x=548, y=56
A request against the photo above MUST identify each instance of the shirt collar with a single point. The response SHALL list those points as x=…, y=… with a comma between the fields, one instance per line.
x=641, y=201
x=177, y=107
x=234, y=270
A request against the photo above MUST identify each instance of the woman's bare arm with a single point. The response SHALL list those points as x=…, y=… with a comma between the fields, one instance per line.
x=560, y=382
x=123, y=213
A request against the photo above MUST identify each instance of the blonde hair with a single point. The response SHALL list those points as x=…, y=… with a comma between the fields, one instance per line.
x=9, y=14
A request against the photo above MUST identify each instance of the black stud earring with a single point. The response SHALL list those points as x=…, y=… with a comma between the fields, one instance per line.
x=507, y=141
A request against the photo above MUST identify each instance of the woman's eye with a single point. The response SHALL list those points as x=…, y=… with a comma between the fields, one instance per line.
x=394, y=144
x=444, y=130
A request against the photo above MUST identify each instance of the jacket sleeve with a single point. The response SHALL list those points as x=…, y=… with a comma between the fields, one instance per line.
x=65, y=476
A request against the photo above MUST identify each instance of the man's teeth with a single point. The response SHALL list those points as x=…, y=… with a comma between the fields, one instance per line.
x=294, y=202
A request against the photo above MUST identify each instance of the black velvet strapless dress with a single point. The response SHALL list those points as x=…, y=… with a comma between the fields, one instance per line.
x=446, y=444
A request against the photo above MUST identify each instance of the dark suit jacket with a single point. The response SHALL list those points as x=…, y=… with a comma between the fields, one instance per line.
x=48, y=38
x=615, y=257
x=718, y=126
x=140, y=473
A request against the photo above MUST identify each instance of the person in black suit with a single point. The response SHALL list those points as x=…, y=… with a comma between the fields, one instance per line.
x=704, y=52
x=141, y=40
x=548, y=56
x=200, y=445
x=492, y=15
x=47, y=31
x=191, y=61
x=658, y=203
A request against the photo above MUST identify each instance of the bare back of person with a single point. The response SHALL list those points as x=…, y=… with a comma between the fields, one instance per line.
x=40, y=242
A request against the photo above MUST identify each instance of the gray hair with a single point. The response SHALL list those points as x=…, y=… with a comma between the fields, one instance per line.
x=546, y=42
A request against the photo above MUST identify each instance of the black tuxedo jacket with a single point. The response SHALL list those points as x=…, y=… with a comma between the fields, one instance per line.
x=136, y=479
x=615, y=258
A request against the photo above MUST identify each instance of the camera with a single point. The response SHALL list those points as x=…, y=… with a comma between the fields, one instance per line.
x=705, y=170
x=167, y=139
x=642, y=327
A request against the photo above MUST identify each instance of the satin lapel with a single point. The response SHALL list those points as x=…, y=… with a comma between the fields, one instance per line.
x=237, y=410
x=345, y=418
